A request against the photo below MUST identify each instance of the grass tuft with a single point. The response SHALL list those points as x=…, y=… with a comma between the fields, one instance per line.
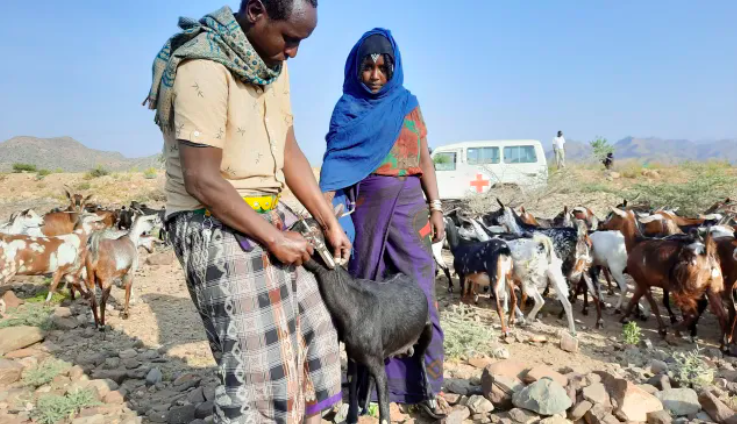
x=464, y=337
x=32, y=314
x=690, y=370
x=52, y=409
x=44, y=372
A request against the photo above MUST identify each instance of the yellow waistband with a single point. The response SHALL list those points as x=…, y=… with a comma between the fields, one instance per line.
x=260, y=204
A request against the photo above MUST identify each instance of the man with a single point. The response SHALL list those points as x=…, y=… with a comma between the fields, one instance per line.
x=221, y=91
x=560, y=154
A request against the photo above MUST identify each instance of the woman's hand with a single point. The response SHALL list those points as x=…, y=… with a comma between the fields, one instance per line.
x=291, y=248
x=337, y=239
x=438, y=226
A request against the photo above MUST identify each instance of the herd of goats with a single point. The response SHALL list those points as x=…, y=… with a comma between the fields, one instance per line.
x=692, y=259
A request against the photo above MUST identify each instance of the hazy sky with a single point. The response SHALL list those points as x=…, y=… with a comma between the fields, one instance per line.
x=482, y=69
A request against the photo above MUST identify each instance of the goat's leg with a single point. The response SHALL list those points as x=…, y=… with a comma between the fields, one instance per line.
x=128, y=283
x=422, y=344
x=352, y=417
x=702, y=304
x=717, y=308
x=539, y=302
x=561, y=289
x=732, y=308
x=594, y=288
x=654, y=305
x=377, y=371
x=513, y=295
x=608, y=278
x=107, y=286
x=639, y=292
x=666, y=303
x=622, y=283
x=54, y=284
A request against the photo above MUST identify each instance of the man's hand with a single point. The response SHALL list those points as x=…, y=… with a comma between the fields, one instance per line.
x=438, y=226
x=291, y=249
x=337, y=239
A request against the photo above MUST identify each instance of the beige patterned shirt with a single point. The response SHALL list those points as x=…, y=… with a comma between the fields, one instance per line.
x=248, y=122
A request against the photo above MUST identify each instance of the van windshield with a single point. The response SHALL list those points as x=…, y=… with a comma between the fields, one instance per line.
x=445, y=161
x=520, y=154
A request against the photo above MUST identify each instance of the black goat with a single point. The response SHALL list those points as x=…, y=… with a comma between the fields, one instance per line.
x=375, y=321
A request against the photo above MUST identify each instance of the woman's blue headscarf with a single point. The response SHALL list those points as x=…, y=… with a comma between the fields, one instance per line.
x=364, y=126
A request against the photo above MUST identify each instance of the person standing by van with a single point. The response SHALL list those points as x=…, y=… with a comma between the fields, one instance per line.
x=560, y=154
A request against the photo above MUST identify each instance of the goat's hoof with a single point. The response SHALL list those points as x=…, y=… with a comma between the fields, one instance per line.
x=663, y=332
x=624, y=320
x=600, y=324
x=643, y=318
x=125, y=315
x=610, y=293
x=617, y=311
x=585, y=312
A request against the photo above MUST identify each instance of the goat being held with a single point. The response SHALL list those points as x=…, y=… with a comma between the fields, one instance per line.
x=375, y=321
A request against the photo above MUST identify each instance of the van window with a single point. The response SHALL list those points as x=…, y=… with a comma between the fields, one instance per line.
x=520, y=154
x=482, y=155
x=445, y=161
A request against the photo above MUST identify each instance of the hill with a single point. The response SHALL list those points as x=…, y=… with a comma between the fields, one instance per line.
x=653, y=149
x=64, y=153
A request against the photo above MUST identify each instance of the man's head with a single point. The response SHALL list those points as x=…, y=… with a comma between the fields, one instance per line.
x=276, y=27
x=560, y=133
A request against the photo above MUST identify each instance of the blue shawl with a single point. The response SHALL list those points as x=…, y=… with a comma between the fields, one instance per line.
x=364, y=125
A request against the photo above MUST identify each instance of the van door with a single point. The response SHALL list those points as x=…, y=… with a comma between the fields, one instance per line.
x=447, y=173
x=481, y=170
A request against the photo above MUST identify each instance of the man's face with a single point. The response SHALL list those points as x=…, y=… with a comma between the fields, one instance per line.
x=278, y=40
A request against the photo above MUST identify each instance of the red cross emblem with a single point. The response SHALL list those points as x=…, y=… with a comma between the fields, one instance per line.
x=480, y=183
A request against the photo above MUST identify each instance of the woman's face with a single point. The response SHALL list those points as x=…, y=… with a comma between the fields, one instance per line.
x=374, y=74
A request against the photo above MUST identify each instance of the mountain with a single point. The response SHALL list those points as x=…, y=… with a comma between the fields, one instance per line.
x=64, y=153
x=653, y=149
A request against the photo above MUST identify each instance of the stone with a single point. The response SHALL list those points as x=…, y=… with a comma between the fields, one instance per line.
x=117, y=376
x=538, y=338
x=131, y=363
x=112, y=363
x=521, y=416
x=181, y=414
x=186, y=381
x=156, y=416
x=480, y=363
x=544, y=397
x=205, y=409
x=91, y=359
x=634, y=403
x=154, y=377
x=479, y=405
x=10, y=372
x=395, y=413
x=508, y=368
x=458, y=415
x=128, y=354
x=209, y=393
x=680, y=402
x=198, y=421
x=555, y=419
x=499, y=389
x=114, y=398
x=661, y=381
x=543, y=371
x=659, y=417
x=94, y=419
x=716, y=409
x=648, y=388
x=65, y=324
x=600, y=414
x=452, y=398
x=500, y=352
x=657, y=367
x=24, y=353
x=102, y=387
x=577, y=412
x=458, y=386
x=62, y=312
x=196, y=396
x=14, y=338
x=166, y=258
x=596, y=394
x=76, y=372
x=11, y=300
x=569, y=343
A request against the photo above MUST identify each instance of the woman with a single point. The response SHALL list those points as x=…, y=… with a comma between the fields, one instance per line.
x=378, y=162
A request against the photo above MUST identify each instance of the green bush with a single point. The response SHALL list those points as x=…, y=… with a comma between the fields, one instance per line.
x=84, y=186
x=150, y=173
x=601, y=148
x=31, y=314
x=44, y=372
x=52, y=409
x=464, y=337
x=42, y=173
x=631, y=333
x=690, y=370
x=96, y=172
x=23, y=167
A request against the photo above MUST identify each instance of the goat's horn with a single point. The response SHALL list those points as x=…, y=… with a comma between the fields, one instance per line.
x=500, y=202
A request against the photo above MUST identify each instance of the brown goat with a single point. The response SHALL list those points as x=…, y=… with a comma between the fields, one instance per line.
x=77, y=202
x=61, y=256
x=649, y=262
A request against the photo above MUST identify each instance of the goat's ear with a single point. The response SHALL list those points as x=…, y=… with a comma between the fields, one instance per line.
x=69, y=195
x=565, y=210
x=624, y=203
x=87, y=199
x=620, y=213
x=339, y=210
x=522, y=210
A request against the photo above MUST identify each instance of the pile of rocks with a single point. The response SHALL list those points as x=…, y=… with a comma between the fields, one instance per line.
x=511, y=391
x=129, y=383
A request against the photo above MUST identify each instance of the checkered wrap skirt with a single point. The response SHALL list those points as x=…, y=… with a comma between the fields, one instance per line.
x=270, y=333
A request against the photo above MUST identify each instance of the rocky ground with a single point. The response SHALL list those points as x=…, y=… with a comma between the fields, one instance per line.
x=156, y=367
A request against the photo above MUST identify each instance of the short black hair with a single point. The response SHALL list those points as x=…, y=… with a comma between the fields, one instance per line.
x=278, y=10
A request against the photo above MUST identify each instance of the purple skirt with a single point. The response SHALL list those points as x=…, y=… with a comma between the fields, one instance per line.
x=393, y=235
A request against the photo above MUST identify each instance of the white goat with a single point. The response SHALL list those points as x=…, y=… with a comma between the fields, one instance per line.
x=23, y=223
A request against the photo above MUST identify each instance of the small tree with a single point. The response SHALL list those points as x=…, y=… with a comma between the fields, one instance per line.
x=601, y=148
x=23, y=167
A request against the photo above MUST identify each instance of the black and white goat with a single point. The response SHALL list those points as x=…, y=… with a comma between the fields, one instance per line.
x=375, y=321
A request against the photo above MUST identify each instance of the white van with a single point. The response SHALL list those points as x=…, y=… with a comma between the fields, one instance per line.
x=473, y=167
